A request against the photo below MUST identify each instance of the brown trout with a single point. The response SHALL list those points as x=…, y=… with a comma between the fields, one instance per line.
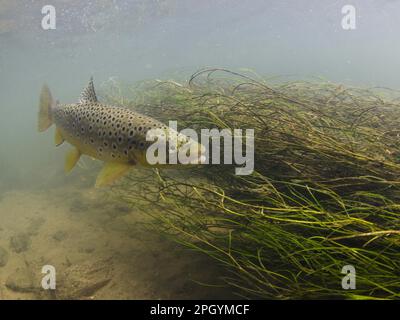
x=111, y=134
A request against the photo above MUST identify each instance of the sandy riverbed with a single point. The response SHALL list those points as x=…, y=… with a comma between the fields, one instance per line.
x=100, y=248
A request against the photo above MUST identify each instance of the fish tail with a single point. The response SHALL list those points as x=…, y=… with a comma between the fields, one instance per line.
x=45, y=109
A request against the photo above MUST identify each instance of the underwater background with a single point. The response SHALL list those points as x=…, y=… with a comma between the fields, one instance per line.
x=102, y=243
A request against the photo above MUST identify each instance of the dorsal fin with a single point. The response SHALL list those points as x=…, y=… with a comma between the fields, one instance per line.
x=88, y=95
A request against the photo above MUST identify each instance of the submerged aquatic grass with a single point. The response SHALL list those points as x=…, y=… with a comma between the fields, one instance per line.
x=325, y=191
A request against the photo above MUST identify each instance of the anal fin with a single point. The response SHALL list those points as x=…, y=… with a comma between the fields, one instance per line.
x=58, y=138
x=111, y=172
x=71, y=159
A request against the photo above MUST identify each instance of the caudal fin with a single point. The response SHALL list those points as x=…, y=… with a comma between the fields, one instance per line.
x=45, y=106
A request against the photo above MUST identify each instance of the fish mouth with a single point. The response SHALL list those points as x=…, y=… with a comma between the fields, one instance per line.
x=200, y=156
x=195, y=151
x=197, y=155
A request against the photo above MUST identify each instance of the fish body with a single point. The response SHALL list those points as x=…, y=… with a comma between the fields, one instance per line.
x=104, y=132
x=111, y=134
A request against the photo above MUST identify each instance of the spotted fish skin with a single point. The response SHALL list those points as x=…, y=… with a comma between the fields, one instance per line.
x=105, y=132
x=114, y=135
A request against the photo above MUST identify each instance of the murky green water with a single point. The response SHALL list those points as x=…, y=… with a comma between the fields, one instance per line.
x=99, y=246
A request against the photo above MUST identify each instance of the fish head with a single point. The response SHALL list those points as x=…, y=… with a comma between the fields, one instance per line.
x=189, y=150
x=184, y=148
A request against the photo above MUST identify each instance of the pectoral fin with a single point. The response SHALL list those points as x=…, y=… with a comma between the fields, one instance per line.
x=71, y=159
x=58, y=138
x=111, y=172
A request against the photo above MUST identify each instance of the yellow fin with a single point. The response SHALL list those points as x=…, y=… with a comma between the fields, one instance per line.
x=111, y=172
x=46, y=105
x=58, y=138
x=71, y=159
